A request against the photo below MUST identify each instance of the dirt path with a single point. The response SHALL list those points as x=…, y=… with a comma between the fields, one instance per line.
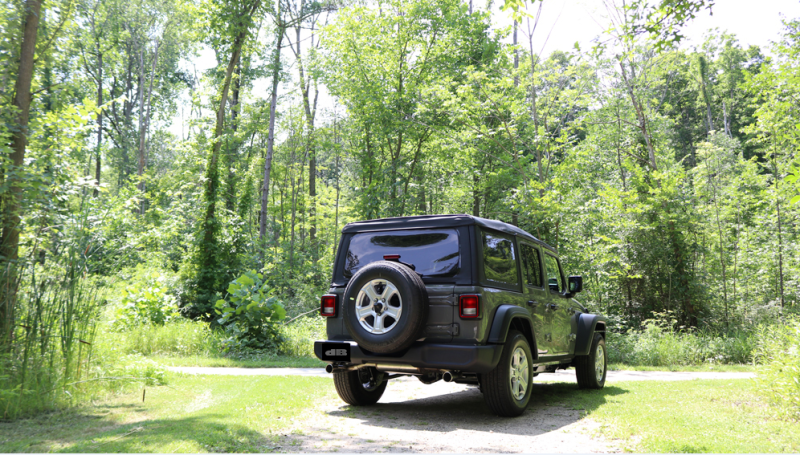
x=442, y=417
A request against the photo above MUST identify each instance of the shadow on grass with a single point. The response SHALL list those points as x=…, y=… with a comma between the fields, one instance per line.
x=181, y=434
x=91, y=430
x=552, y=406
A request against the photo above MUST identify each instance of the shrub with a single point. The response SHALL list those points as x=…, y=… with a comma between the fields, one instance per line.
x=299, y=336
x=248, y=316
x=148, y=298
x=659, y=345
x=778, y=356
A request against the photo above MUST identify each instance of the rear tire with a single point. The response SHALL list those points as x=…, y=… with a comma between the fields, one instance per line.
x=359, y=387
x=591, y=369
x=507, y=389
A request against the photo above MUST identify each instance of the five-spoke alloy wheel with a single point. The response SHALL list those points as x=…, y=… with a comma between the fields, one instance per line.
x=507, y=388
x=379, y=306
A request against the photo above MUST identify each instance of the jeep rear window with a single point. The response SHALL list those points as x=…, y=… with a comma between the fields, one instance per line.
x=434, y=252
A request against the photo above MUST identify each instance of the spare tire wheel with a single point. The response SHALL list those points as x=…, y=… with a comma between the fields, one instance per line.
x=385, y=307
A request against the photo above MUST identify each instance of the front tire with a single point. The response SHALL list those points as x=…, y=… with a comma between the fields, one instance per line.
x=591, y=369
x=507, y=388
x=359, y=387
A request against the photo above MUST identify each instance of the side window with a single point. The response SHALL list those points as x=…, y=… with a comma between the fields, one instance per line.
x=499, y=258
x=532, y=265
x=553, y=274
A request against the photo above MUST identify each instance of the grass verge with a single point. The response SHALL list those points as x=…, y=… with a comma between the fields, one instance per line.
x=716, y=416
x=250, y=361
x=226, y=414
x=692, y=368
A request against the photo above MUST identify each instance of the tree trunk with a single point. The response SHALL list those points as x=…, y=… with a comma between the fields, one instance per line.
x=640, y=117
x=336, y=168
x=143, y=127
x=231, y=144
x=140, y=101
x=208, y=246
x=99, y=121
x=9, y=247
x=780, y=236
x=276, y=63
x=534, y=111
x=310, y=112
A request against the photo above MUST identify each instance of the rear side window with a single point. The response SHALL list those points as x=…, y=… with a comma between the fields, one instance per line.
x=499, y=259
x=434, y=252
x=531, y=265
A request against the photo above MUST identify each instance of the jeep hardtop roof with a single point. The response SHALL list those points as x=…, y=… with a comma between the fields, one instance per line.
x=438, y=221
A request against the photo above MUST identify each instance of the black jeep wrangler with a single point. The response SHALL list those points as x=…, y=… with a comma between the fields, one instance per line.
x=458, y=298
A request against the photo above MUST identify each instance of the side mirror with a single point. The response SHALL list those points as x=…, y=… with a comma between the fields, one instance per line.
x=575, y=284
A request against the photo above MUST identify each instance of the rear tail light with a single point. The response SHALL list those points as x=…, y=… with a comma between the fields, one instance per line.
x=328, y=306
x=469, y=306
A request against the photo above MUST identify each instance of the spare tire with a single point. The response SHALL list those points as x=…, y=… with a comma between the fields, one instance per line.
x=385, y=307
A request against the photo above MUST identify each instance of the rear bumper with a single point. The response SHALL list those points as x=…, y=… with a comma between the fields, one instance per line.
x=469, y=359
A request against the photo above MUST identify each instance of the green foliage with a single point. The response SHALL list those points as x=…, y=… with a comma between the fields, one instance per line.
x=249, y=314
x=178, y=337
x=778, y=356
x=299, y=335
x=149, y=299
x=658, y=344
x=657, y=172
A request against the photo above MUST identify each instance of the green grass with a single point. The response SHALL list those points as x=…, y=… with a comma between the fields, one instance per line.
x=250, y=414
x=195, y=414
x=693, y=368
x=253, y=361
x=193, y=343
x=684, y=416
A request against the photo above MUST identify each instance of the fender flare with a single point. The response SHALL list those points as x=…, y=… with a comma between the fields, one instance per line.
x=586, y=327
x=501, y=324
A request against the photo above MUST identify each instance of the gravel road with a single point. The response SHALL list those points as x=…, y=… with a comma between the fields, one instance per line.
x=442, y=417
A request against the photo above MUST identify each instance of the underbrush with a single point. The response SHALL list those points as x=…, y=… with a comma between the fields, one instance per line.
x=659, y=346
x=778, y=356
x=299, y=336
x=177, y=338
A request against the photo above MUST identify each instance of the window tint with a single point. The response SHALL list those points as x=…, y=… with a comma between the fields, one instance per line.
x=434, y=252
x=531, y=265
x=499, y=258
x=553, y=274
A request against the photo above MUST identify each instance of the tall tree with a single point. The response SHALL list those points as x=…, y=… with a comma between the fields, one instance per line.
x=12, y=203
x=208, y=276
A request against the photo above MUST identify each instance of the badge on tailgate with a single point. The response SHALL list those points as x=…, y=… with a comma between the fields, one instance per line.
x=336, y=352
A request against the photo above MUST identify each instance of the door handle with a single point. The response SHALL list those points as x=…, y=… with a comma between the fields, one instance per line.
x=553, y=306
x=533, y=303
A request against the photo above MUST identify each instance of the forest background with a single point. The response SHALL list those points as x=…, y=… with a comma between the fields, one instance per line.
x=664, y=175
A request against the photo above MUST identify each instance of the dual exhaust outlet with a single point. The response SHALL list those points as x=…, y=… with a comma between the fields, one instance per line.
x=447, y=376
